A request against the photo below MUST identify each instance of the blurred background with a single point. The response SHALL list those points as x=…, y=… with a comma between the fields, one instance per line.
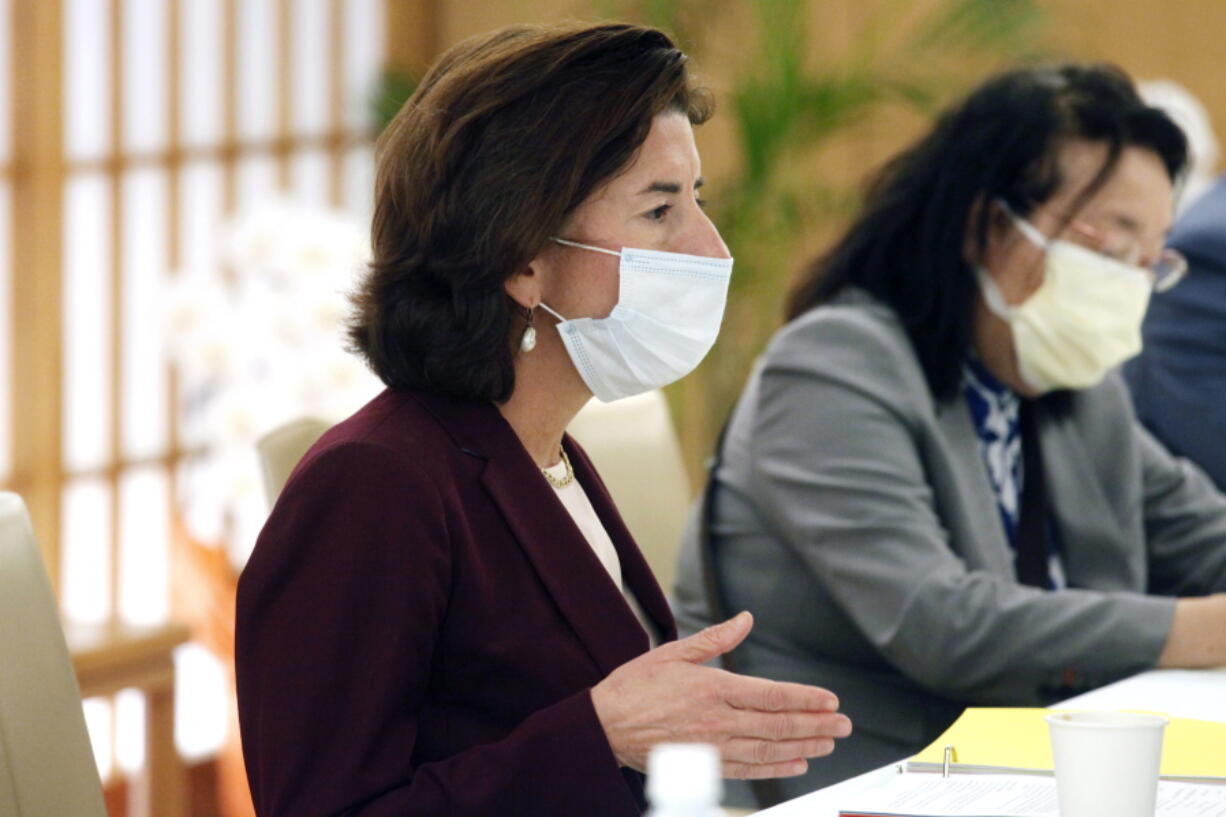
x=185, y=187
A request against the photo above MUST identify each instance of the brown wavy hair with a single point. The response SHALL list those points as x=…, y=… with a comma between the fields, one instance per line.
x=506, y=135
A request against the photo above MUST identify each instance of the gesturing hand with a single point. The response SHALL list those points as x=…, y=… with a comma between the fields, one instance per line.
x=762, y=728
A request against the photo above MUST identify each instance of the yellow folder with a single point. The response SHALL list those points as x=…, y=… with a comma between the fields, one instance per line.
x=1016, y=738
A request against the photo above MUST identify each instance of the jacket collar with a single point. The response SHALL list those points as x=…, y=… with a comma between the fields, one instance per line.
x=561, y=556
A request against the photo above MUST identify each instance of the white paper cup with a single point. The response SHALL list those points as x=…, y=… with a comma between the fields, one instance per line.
x=1106, y=762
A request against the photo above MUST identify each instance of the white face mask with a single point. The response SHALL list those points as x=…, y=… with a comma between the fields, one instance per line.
x=1084, y=319
x=668, y=312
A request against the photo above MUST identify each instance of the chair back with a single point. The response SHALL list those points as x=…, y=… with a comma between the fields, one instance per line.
x=46, y=763
x=631, y=442
x=634, y=447
x=282, y=448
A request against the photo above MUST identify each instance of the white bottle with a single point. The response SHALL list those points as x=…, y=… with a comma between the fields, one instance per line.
x=683, y=780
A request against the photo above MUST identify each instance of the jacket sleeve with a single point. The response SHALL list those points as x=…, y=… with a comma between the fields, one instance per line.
x=838, y=458
x=1185, y=523
x=339, y=614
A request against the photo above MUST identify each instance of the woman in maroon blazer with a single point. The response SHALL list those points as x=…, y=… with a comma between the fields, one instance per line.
x=444, y=613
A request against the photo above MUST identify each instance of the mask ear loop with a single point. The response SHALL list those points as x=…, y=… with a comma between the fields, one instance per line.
x=1031, y=232
x=581, y=246
x=992, y=295
x=545, y=307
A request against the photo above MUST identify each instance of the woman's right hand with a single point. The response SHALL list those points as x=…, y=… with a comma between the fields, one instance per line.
x=762, y=728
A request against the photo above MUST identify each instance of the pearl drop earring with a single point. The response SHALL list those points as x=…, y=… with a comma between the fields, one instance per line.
x=528, y=341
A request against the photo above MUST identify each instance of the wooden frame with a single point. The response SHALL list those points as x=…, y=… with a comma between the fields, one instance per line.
x=37, y=341
x=114, y=655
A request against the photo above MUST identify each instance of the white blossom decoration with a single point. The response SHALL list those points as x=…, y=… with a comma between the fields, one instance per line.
x=256, y=343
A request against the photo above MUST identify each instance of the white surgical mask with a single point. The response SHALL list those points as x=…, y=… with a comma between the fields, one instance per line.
x=668, y=312
x=1084, y=319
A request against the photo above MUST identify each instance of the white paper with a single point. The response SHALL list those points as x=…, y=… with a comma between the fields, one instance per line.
x=991, y=795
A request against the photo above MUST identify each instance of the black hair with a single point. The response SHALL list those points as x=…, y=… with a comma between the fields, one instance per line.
x=906, y=246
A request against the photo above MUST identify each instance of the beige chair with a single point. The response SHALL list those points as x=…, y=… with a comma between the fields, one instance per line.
x=635, y=449
x=631, y=441
x=46, y=764
x=282, y=448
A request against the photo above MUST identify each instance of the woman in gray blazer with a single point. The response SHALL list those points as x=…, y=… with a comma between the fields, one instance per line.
x=933, y=492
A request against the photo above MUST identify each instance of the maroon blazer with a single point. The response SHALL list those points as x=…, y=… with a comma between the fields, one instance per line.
x=421, y=623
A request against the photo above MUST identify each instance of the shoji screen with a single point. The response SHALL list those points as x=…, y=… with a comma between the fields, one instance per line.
x=175, y=114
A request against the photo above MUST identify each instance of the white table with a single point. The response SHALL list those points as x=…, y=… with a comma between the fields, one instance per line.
x=1183, y=693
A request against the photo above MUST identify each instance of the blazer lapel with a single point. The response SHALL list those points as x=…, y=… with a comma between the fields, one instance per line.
x=561, y=556
x=1091, y=528
x=975, y=487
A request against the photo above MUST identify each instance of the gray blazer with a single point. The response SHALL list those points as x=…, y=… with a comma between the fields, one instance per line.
x=853, y=515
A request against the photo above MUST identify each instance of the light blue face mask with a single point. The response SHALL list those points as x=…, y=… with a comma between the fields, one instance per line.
x=669, y=309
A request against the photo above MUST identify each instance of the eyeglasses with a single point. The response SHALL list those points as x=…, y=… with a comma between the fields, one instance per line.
x=1168, y=270
x=1165, y=272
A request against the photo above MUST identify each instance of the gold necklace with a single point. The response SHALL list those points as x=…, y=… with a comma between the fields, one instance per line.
x=567, y=479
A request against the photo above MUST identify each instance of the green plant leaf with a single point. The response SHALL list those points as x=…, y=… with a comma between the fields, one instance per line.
x=967, y=26
x=393, y=90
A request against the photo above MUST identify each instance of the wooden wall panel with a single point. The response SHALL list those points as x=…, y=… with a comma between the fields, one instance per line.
x=1151, y=39
x=37, y=219
x=412, y=34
